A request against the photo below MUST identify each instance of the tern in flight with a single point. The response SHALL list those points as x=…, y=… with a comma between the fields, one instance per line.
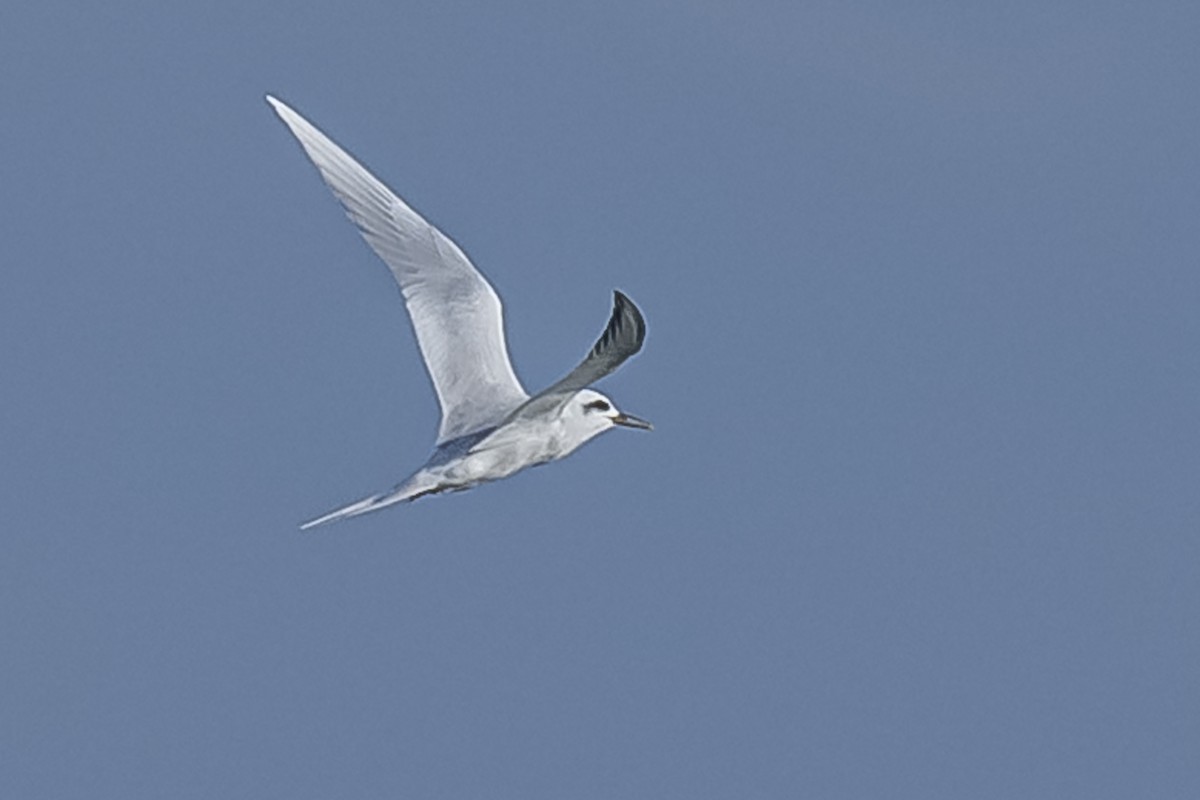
x=491, y=427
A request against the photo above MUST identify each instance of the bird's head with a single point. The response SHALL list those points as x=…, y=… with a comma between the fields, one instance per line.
x=590, y=413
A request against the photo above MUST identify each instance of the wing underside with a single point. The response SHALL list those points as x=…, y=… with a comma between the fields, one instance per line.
x=454, y=311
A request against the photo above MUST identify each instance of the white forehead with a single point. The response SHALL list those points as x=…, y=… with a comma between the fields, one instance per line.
x=588, y=395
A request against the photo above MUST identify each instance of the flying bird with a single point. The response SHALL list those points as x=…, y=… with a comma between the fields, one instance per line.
x=491, y=427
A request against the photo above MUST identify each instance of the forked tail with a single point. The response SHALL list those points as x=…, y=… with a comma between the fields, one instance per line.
x=409, y=490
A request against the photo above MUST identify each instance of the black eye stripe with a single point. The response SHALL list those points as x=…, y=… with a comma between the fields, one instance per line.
x=597, y=405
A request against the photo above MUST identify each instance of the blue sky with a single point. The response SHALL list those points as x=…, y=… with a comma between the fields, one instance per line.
x=919, y=516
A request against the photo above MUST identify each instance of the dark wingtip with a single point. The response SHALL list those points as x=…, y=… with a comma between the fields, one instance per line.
x=623, y=305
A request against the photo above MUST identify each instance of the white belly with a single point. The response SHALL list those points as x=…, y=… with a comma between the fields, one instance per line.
x=507, y=451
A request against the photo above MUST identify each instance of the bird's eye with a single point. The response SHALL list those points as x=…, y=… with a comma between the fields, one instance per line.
x=597, y=405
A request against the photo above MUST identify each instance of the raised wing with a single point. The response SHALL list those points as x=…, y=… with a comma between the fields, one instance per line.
x=455, y=312
x=622, y=337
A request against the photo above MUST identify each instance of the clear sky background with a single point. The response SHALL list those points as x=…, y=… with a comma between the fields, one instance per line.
x=920, y=515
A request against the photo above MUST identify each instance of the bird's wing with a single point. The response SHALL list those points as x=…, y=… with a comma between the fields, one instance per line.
x=622, y=338
x=455, y=312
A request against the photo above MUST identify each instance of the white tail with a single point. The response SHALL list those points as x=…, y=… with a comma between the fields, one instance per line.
x=409, y=490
